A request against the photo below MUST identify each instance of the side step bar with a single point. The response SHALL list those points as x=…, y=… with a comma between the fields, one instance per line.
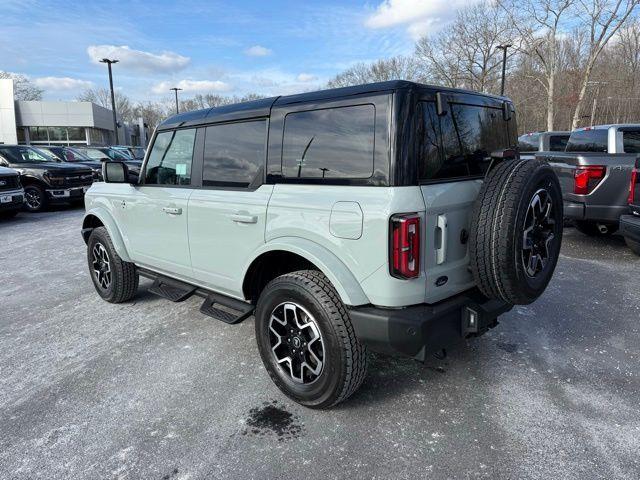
x=218, y=306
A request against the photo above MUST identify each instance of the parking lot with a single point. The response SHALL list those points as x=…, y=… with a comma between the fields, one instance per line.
x=153, y=389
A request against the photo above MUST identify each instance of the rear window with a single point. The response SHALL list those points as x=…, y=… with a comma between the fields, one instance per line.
x=460, y=143
x=529, y=142
x=329, y=143
x=631, y=141
x=594, y=140
x=557, y=143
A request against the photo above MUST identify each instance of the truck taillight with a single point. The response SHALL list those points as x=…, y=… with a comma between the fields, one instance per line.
x=587, y=178
x=633, y=186
x=405, y=246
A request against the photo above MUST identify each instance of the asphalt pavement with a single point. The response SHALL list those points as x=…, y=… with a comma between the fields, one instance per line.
x=151, y=389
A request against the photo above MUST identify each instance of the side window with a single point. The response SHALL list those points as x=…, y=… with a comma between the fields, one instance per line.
x=557, y=143
x=234, y=154
x=329, y=143
x=469, y=134
x=170, y=159
x=631, y=141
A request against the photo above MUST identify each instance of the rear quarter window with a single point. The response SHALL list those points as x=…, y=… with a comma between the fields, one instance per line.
x=329, y=143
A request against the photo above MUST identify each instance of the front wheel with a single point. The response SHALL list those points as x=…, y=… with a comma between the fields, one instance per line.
x=35, y=198
x=306, y=340
x=114, y=279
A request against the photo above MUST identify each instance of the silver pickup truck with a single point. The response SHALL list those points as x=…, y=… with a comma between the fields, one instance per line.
x=594, y=172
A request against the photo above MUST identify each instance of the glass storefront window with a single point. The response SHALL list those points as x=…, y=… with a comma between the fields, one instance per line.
x=57, y=134
x=76, y=134
x=38, y=134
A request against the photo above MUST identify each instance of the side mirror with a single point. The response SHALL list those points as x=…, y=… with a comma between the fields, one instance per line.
x=115, y=172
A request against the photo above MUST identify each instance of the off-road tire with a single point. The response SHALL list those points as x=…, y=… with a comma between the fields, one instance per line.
x=34, y=189
x=345, y=358
x=591, y=228
x=497, y=231
x=124, y=277
x=633, y=245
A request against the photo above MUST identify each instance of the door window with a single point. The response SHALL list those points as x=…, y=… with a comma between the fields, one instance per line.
x=329, y=143
x=234, y=154
x=170, y=159
x=631, y=141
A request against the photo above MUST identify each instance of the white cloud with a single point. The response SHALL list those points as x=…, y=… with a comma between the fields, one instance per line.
x=138, y=59
x=62, y=83
x=258, y=51
x=201, y=86
x=306, y=77
x=419, y=16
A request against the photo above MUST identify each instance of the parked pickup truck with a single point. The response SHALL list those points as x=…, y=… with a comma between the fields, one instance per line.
x=533, y=142
x=45, y=181
x=594, y=173
x=11, y=192
x=630, y=224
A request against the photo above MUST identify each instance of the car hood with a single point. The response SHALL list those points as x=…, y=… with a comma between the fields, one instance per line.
x=7, y=171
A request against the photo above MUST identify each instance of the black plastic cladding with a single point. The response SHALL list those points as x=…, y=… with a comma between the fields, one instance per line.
x=395, y=136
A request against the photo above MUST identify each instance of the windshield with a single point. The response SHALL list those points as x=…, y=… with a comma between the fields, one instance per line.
x=73, y=155
x=52, y=157
x=118, y=155
x=138, y=153
x=591, y=140
x=94, y=153
x=23, y=155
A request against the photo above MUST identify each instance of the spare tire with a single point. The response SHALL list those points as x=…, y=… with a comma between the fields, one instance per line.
x=516, y=231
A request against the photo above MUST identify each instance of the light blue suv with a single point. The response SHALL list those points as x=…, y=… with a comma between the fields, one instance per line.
x=391, y=216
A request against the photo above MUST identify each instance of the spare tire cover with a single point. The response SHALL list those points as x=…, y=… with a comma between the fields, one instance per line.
x=516, y=231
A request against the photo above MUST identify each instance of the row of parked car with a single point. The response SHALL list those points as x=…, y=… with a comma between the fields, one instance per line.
x=598, y=172
x=31, y=178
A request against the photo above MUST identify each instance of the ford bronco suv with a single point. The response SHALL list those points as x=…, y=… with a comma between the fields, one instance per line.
x=392, y=216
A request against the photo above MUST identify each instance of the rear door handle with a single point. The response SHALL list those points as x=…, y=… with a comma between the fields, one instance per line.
x=242, y=218
x=172, y=210
x=441, y=228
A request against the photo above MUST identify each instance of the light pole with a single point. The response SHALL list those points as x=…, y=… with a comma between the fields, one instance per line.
x=503, y=47
x=175, y=89
x=113, y=97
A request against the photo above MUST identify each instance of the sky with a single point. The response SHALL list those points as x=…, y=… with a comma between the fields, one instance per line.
x=270, y=47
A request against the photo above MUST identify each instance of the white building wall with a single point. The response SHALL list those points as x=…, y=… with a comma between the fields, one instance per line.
x=7, y=113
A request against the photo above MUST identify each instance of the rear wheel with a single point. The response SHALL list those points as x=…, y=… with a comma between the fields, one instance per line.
x=306, y=340
x=35, y=198
x=595, y=229
x=633, y=245
x=114, y=279
x=516, y=231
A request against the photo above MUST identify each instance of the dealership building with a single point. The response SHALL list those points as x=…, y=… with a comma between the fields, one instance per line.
x=61, y=123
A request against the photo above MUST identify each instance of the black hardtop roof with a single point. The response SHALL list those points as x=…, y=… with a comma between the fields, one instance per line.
x=262, y=107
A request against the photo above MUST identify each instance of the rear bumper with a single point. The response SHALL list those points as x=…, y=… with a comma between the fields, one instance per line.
x=420, y=330
x=630, y=227
x=595, y=213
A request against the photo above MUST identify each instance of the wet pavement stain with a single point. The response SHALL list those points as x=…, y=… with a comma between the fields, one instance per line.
x=272, y=418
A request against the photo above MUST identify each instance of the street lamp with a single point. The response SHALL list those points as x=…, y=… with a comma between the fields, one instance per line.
x=503, y=47
x=175, y=89
x=113, y=97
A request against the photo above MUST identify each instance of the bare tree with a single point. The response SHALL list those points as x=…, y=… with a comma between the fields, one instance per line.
x=602, y=19
x=102, y=97
x=396, y=68
x=464, y=54
x=538, y=23
x=23, y=89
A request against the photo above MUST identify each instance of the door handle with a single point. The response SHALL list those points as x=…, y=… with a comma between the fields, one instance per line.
x=172, y=210
x=441, y=227
x=241, y=218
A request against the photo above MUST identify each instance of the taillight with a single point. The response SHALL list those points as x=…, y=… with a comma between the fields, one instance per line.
x=632, y=187
x=405, y=246
x=587, y=178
